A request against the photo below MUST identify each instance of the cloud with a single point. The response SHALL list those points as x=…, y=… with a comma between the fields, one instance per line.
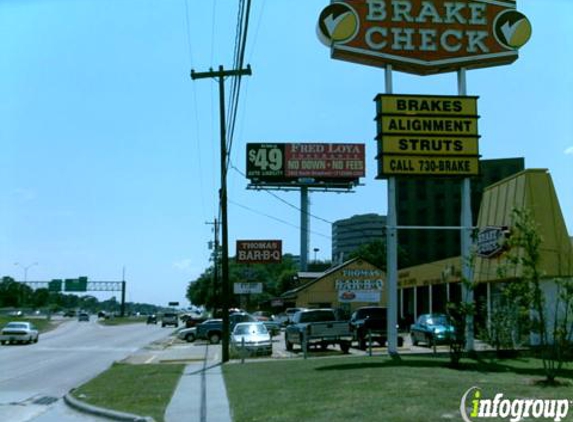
x=569, y=151
x=183, y=265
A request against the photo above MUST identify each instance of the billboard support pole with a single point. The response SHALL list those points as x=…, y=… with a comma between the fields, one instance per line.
x=304, y=228
x=391, y=250
x=466, y=236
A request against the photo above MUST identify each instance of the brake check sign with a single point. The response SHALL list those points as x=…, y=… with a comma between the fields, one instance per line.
x=259, y=251
x=424, y=36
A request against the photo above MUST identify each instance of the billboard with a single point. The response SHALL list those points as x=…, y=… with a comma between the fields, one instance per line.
x=427, y=135
x=259, y=251
x=305, y=163
x=424, y=36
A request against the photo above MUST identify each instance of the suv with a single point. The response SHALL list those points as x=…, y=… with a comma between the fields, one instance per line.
x=170, y=318
x=212, y=329
x=371, y=321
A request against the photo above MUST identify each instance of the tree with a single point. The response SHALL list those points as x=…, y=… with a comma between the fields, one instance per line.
x=550, y=321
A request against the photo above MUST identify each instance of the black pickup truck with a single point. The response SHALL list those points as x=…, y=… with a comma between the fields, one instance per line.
x=371, y=320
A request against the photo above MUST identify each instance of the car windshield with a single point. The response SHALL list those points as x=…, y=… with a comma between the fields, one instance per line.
x=250, y=329
x=437, y=320
x=317, y=316
x=371, y=313
x=18, y=325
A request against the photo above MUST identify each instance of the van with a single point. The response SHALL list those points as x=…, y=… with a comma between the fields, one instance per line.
x=170, y=319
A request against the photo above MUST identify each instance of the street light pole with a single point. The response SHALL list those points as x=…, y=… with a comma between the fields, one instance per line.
x=25, y=268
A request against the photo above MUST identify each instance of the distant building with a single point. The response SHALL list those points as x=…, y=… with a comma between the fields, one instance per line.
x=437, y=202
x=351, y=233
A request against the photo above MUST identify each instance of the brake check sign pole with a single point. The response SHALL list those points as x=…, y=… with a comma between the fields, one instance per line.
x=425, y=37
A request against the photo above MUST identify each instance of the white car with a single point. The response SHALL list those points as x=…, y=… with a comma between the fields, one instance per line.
x=253, y=338
x=19, y=332
x=188, y=334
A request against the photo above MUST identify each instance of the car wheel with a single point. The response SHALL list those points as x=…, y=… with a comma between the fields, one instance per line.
x=400, y=341
x=214, y=338
x=429, y=340
x=288, y=344
x=414, y=341
x=345, y=347
x=36, y=339
x=190, y=337
x=3, y=342
x=362, y=343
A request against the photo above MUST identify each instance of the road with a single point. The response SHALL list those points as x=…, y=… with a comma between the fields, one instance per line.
x=34, y=378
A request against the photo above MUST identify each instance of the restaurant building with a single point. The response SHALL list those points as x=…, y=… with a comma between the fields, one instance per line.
x=429, y=287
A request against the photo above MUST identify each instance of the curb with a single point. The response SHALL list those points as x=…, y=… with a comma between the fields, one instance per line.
x=106, y=413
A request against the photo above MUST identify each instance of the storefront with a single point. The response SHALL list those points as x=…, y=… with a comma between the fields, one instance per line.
x=348, y=286
x=428, y=288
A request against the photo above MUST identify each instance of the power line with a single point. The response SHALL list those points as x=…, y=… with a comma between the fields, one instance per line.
x=284, y=201
x=272, y=217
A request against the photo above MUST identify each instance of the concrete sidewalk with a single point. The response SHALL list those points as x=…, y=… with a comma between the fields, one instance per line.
x=200, y=395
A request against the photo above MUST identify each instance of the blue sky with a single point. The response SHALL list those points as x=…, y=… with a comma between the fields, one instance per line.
x=110, y=152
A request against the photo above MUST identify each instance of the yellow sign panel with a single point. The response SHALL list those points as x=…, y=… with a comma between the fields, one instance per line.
x=420, y=165
x=428, y=145
x=427, y=105
x=414, y=125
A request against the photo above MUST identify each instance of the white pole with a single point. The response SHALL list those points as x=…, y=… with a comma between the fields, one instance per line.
x=466, y=235
x=391, y=250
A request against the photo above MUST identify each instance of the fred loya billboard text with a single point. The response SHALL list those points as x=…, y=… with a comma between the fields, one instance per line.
x=300, y=164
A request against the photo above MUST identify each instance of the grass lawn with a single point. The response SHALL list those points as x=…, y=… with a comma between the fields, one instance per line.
x=144, y=390
x=42, y=323
x=412, y=389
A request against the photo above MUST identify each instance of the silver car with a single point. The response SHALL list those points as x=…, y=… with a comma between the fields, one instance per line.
x=19, y=332
x=252, y=338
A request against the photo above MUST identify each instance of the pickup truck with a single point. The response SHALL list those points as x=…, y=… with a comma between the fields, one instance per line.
x=212, y=329
x=319, y=327
x=370, y=320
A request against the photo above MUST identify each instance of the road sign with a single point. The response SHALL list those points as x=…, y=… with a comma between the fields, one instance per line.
x=428, y=165
x=55, y=286
x=247, y=288
x=76, y=284
x=424, y=36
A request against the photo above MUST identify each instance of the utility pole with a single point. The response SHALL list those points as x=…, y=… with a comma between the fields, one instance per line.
x=215, y=248
x=220, y=75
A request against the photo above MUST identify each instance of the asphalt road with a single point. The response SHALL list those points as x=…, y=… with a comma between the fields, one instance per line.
x=35, y=377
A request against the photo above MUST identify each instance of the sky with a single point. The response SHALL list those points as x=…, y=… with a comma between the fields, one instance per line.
x=109, y=160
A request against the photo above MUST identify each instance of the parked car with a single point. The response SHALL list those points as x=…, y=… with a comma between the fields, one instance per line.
x=318, y=327
x=290, y=313
x=252, y=337
x=170, y=318
x=273, y=327
x=371, y=322
x=188, y=334
x=212, y=329
x=19, y=332
x=82, y=316
x=432, y=329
